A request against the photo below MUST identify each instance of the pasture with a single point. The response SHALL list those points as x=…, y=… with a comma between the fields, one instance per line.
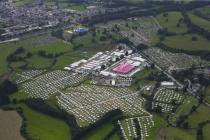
x=19, y=3
x=206, y=132
x=172, y=133
x=185, y=42
x=43, y=127
x=199, y=116
x=203, y=23
x=172, y=21
x=207, y=94
x=183, y=109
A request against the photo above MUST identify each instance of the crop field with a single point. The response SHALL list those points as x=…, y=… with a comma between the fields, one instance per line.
x=186, y=43
x=10, y=125
x=172, y=21
x=43, y=127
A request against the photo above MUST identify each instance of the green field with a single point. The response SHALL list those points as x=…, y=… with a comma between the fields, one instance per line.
x=35, y=43
x=199, y=116
x=39, y=62
x=42, y=127
x=172, y=133
x=207, y=94
x=20, y=95
x=100, y=133
x=19, y=3
x=203, y=23
x=206, y=133
x=159, y=123
x=204, y=12
x=184, y=108
x=170, y=22
x=184, y=42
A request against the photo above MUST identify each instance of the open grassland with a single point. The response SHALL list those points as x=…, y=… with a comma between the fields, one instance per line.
x=69, y=58
x=203, y=23
x=171, y=22
x=39, y=62
x=19, y=3
x=10, y=125
x=207, y=94
x=34, y=44
x=154, y=131
x=204, y=12
x=20, y=95
x=199, y=116
x=100, y=133
x=184, y=42
x=42, y=127
x=172, y=133
x=206, y=133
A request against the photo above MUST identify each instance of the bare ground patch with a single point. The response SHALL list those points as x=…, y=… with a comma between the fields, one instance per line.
x=10, y=123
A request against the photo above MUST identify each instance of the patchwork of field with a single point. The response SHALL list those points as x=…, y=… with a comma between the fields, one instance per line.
x=10, y=125
x=43, y=127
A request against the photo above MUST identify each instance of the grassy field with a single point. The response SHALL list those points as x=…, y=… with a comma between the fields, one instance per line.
x=184, y=108
x=203, y=23
x=199, y=116
x=33, y=44
x=204, y=12
x=19, y=3
x=172, y=133
x=206, y=134
x=185, y=42
x=170, y=22
x=39, y=62
x=42, y=127
x=10, y=125
x=207, y=94
x=100, y=133
x=154, y=131
x=20, y=95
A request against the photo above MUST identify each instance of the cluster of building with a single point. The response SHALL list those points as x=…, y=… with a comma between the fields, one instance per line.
x=111, y=67
x=37, y=15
